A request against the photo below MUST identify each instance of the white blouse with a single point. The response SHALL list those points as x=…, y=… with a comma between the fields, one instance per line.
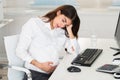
x=38, y=41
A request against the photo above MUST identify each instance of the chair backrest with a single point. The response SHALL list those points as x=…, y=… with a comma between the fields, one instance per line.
x=10, y=47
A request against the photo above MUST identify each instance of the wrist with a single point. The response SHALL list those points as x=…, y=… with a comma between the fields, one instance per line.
x=36, y=63
x=70, y=33
x=71, y=36
x=33, y=62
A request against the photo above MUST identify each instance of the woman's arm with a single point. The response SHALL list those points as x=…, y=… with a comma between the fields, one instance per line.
x=46, y=66
x=24, y=42
x=70, y=33
x=72, y=43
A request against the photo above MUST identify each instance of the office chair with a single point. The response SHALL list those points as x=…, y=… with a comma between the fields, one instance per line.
x=15, y=66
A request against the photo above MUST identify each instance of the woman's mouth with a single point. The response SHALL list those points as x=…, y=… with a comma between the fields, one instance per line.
x=57, y=26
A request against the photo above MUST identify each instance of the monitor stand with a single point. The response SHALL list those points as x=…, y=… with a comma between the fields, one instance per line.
x=116, y=49
x=116, y=53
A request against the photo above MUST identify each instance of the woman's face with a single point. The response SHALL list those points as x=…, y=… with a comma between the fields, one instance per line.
x=61, y=21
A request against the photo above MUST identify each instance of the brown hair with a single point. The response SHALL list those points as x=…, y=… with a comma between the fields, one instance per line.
x=70, y=12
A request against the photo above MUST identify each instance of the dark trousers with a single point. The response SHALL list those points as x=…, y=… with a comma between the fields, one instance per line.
x=38, y=76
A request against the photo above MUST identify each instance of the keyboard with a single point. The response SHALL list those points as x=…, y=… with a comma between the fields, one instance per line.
x=87, y=57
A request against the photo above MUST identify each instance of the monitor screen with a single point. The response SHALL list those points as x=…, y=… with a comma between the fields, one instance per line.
x=117, y=32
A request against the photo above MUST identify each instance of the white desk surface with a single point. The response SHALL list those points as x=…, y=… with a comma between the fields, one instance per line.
x=87, y=73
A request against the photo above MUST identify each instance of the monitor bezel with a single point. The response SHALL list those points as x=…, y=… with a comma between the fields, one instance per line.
x=116, y=30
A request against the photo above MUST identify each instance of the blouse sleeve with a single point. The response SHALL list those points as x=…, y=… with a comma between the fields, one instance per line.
x=72, y=46
x=24, y=42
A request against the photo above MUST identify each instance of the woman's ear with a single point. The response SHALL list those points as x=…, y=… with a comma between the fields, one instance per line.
x=59, y=12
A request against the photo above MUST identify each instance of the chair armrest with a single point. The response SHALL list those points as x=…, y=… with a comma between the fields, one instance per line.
x=28, y=73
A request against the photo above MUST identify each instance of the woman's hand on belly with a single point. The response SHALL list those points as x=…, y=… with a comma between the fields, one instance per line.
x=45, y=66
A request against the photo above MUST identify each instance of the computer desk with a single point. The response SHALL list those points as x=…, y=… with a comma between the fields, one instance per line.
x=87, y=73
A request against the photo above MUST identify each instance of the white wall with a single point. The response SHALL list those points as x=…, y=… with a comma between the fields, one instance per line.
x=1, y=10
x=116, y=2
x=99, y=23
x=94, y=3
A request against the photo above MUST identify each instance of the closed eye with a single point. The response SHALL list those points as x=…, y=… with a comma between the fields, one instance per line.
x=63, y=20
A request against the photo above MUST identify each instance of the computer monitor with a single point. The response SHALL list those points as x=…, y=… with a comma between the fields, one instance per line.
x=117, y=37
x=117, y=32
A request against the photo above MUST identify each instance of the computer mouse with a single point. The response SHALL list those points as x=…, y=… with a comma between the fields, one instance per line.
x=73, y=69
